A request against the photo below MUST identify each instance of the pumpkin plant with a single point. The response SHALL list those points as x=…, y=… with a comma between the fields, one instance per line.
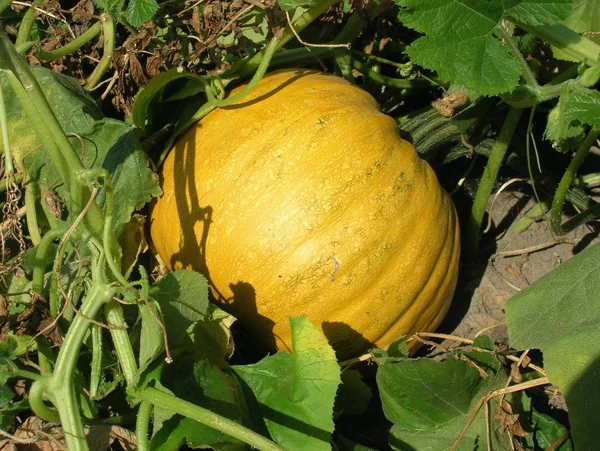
x=304, y=200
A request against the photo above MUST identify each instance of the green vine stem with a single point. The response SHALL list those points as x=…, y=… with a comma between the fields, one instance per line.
x=96, y=365
x=26, y=26
x=141, y=425
x=567, y=40
x=41, y=259
x=488, y=179
x=72, y=46
x=109, y=32
x=213, y=102
x=60, y=386
x=258, y=75
x=206, y=417
x=9, y=170
x=31, y=191
x=245, y=68
x=118, y=331
x=567, y=180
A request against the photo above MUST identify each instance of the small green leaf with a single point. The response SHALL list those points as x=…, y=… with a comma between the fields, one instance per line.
x=353, y=394
x=183, y=299
x=6, y=396
x=212, y=337
x=15, y=346
x=151, y=337
x=559, y=314
x=111, y=6
x=459, y=41
x=140, y=11
x=296, y=391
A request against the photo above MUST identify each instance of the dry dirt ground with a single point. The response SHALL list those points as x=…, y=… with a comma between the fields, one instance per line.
x=509, y=262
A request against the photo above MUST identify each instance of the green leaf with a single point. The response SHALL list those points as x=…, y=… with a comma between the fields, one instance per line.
x=140, y=11
x=459, y=42
x=429, y=402
x=547, y=431
x=353, y=394
x=6, y=396
x=577, y=106
x=290, y=5
x=14, y=346
x=559, y=314
x=296, y=391
x=183, y=299
x=213, y=389
x=151, y=337
x=212, y=338
x=8, y=414
x=111, y=6
x=101, y=143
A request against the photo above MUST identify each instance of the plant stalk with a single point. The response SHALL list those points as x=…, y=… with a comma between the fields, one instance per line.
x=488, y=179
x=566, y=181
x=109, y=32
x=206, y=417
x=71, y=47
x=569, y=41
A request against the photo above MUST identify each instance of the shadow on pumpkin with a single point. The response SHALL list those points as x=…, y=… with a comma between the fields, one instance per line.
x=346, y=341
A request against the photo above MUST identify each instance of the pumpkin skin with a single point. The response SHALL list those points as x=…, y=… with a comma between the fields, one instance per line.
x=304, y=200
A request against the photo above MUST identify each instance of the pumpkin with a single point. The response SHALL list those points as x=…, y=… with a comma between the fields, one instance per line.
x=304, y=200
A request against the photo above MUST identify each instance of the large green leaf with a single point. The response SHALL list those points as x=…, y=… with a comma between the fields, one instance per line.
x=559, y=314
x=100, y=143
x=296, y=391
x=459, y=41
x=429, y=402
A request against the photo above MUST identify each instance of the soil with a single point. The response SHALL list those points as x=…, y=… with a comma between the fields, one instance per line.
x=510, y=262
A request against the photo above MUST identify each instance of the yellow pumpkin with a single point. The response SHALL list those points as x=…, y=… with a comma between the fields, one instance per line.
x=303, y=200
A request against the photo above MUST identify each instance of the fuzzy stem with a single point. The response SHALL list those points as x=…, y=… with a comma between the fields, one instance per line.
x=109, y=32
x=8, y=161
x=72, y=46
x=567, y=40
x=141, y=425
x=25, y=27
x=31, y=212
x=488, y=179
x=41, y=257
x=566, y=181
x=96, y=365
x=118, y=330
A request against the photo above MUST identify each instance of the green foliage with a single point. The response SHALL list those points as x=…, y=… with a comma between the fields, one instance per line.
x=461, y=36
x=183, y=299
x=207, y=385
x=577, y=107
x=430, y=402
x=585, y=18
x=559, y=314
x=296, y=391
x=101, y=143
x=140, y=11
